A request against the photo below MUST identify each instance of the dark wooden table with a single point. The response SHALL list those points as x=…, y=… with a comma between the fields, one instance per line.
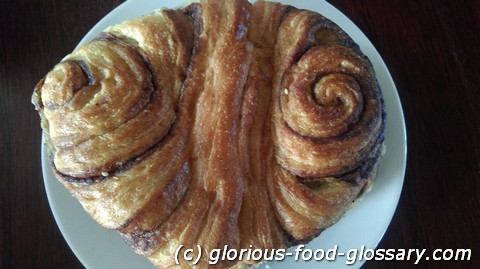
x=432, y=49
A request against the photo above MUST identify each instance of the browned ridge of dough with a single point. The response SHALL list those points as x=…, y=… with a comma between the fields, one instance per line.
x=225, y=123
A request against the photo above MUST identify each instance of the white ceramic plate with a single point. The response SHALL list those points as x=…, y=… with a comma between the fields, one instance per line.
x=363, y=225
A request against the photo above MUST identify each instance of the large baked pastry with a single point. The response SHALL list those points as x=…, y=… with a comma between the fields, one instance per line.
x=218, y=124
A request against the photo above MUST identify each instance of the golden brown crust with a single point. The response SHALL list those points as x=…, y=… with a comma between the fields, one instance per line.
x=258, y=226
x=327, y=124
x=223, y=124
x=121, y=152
x=208, y=215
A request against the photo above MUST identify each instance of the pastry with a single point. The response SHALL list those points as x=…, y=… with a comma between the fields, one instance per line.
x=219, y=124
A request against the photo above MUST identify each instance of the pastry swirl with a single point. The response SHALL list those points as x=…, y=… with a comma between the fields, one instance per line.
x=328, y=124
x=328, y=117
x=221, y=124
x=106, y=110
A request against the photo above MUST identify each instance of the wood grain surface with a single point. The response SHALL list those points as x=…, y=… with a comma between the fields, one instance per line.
x=431, y=48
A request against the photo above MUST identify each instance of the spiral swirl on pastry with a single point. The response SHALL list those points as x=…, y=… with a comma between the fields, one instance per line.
x=222, y=124
x=329, y=114
x=330, y=106
x=106, y=110
x=110, y=100
x=328, y=124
